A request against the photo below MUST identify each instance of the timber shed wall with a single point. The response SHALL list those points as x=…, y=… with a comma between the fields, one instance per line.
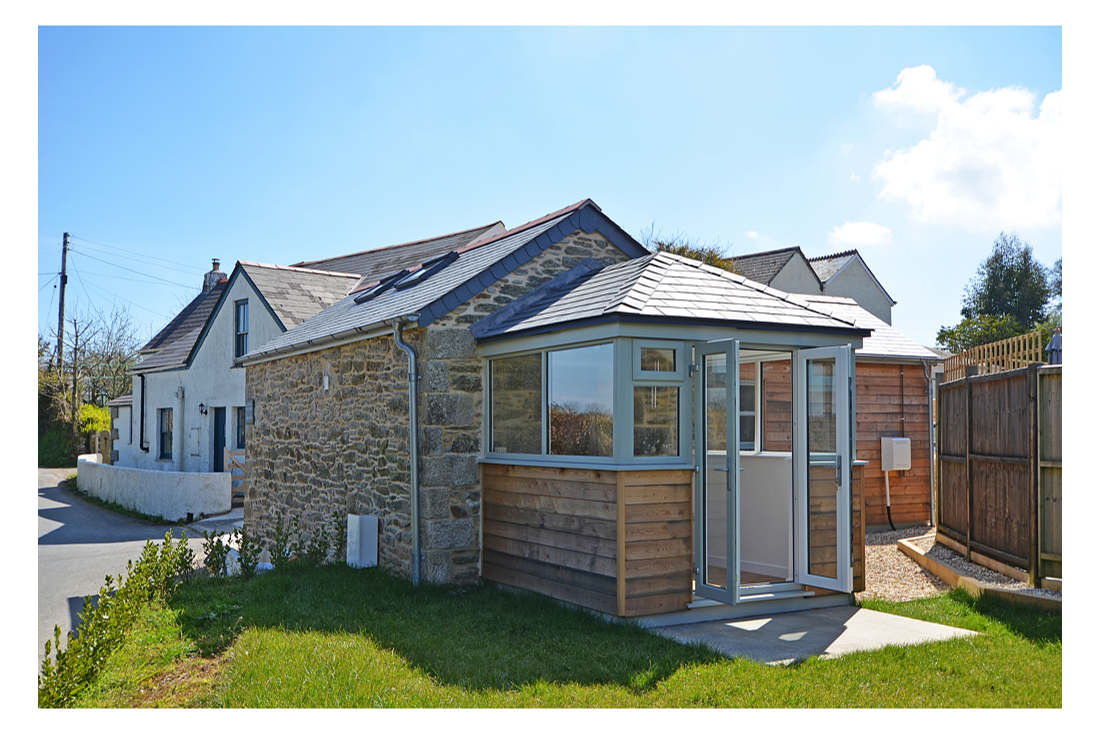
x=618, y=542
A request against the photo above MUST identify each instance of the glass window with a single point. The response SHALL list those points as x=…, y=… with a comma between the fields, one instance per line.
x=658, y=359
x=240, y=347
x=240, y=427
x=656, y=420
x=580, y=401
x=747, y=413
x=164, y=422
x=515, y=415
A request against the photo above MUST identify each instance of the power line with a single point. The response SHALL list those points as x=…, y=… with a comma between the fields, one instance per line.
x=138, y=272
x=48, y=282
x=134, y=280
x=111, y=248
x=132, y=303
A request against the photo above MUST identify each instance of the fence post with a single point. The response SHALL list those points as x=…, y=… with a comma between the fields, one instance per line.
x=937, y=419
x=1033, y=468
x=971, y=371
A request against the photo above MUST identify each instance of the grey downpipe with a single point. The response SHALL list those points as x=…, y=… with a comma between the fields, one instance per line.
x=141, y=425
x=414, y=452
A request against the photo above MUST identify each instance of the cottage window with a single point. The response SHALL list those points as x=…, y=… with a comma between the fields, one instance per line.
x=240, y=322
x=164, y=441
x=580, y=400
x=240, y=426
x=747, y=415
x=516, y=413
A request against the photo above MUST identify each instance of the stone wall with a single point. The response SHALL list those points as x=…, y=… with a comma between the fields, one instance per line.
x=312, y=452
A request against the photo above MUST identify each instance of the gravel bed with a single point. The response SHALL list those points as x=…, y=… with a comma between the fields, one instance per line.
x=959, y=564
x=892, y=575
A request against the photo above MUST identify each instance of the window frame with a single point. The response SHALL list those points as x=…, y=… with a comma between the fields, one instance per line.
x=164, y=448
x=638, y=373
x=237, y=333
x=756, y=383
x=626, y=351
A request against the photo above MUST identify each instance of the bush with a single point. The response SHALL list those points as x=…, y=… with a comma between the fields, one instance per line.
x=103, y=625
x=217, y=551
x=248, y=552
x=55, y=448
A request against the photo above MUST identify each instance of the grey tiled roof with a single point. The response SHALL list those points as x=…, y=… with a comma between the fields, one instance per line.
x=381, y=261
x=476, y=266
x=826, y=266
x=885, y=341
x=172, y=345
x=764, y=266
x=658, y=286
x=295, y=294
x=127, y=399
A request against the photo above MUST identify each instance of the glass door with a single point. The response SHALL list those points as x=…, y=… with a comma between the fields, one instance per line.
x=717, y=573
x=823, y=467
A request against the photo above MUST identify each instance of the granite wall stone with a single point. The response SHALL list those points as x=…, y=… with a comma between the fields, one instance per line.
x=312, y=452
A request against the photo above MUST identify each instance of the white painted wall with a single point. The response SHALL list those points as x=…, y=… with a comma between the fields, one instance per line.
x=167, y=494
x=124, y=443
x=211, y=380
x=855, y=281
x=796, y=277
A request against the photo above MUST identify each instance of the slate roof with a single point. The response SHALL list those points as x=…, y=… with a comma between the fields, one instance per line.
x=826, y=266
x=885, y=341
x=122, y=400
x=477, y=265
x=172, y=345
x=294, y=293
x=381, y=261
x=661, y=286
x=764, y=266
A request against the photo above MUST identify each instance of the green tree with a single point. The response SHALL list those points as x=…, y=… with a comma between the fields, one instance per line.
x=678, y=244
x=1010, y=282
x=977, y=330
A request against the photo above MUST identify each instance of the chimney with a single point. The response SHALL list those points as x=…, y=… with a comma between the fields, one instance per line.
x=212, y=278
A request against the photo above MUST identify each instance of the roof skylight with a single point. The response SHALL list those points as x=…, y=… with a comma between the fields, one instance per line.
x=381, y=287
x=427, y=270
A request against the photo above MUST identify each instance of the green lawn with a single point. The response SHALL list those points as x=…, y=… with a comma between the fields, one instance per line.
x=340, y=637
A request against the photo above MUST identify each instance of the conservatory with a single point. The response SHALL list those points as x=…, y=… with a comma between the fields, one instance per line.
x=662, y=435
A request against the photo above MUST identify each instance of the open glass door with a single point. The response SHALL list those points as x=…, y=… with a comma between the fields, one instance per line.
x=717, y=478
x=823, y=467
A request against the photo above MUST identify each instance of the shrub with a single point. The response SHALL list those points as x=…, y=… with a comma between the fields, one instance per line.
x=248, y=552
x=103, y=625
x=55, y=448
x=217, y=551
x=279, y=550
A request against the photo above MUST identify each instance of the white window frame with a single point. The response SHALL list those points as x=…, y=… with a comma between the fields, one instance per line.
x=756, y=382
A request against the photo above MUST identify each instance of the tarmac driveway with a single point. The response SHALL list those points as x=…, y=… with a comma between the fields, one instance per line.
x=78, y=545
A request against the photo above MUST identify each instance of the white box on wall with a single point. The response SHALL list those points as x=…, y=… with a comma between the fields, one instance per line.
x=362, y=541
x=896, y=454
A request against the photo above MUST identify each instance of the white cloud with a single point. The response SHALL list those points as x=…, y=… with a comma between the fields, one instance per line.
x=989, y=163
x=860, y=234
x=752, y=234
x=853, y=176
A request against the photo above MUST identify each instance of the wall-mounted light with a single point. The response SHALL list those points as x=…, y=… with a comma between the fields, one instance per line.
x=202, y=408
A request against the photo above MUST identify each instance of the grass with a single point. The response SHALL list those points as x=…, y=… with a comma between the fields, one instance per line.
x=339, y=637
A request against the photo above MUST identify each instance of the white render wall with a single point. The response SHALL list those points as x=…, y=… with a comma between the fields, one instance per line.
x=124, y=444
x=796, y=277
x=856, y=282
x=211, y=379
x=171, y=495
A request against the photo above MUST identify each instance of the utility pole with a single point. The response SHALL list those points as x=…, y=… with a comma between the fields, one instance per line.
x=61, y=303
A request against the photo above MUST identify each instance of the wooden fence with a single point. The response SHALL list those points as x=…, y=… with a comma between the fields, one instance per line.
x=235, y=464
x=1007, y=354
x=999, y=483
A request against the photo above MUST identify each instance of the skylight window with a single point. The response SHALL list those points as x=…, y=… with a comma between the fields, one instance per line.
x=427, y=270
x=381, y=287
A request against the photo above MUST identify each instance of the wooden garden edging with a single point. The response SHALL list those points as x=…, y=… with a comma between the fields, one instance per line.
x=973, y=586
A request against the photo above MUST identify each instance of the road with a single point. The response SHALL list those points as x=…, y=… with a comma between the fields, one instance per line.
x=78, y=545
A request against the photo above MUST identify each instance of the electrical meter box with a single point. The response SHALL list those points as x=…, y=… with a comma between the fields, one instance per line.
x=896, y=454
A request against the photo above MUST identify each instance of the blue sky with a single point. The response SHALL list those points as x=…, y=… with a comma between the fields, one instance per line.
x=284, y=144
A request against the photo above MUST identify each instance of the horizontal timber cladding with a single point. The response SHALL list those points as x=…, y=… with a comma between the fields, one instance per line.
x=618, y=542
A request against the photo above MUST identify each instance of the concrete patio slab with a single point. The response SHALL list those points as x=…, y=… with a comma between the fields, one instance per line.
x=781, y=639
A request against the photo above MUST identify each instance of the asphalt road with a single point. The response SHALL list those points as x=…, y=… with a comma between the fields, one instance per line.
x=78, y=545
